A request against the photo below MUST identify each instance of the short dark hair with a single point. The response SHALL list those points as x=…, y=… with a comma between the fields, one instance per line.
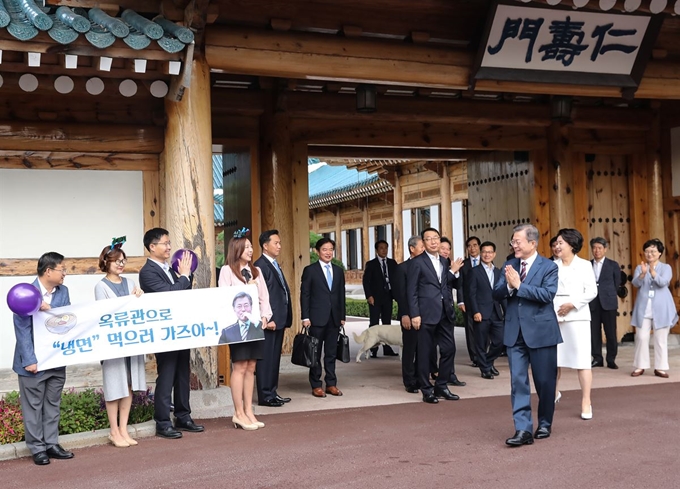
x=322, y=242
x=241, y=295
x=108, y=256
x=266, y=236
x=653, y=242
x=377, y=243
x=444, y=239
x=435, y=230
x=599, y=240
x=572, y=237
x=154, y=235
x=473, y=238
x=49, y=260
x=554, y=238
x=487, y=243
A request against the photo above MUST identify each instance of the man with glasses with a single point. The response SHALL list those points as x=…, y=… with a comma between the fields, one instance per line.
x=430, y=305
x=173, y=366
x=463, y=293
x=40, y=391
x=529, y=283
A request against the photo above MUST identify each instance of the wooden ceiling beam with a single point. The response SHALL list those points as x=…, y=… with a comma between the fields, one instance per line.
x=43, y=160
x=360, y=152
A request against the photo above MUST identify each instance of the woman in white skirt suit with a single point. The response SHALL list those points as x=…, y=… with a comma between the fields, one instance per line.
x=576, y=288
x=121, y=376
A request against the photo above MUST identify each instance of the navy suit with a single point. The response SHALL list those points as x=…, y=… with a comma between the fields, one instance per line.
x=531, y=336
x=432, y=300
x=382, y=292
x=462, y=297
x=409, y=336
x=40, y=393
x=603, y=311
x=282, y=315
x=489, y=331
x=232, y=333
x=172, y=366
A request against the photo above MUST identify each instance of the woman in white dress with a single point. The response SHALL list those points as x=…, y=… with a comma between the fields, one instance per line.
x=120, y=376
x=575, y=289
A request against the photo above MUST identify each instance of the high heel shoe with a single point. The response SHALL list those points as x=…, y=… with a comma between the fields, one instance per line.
x=588, y=415
x=558, y=397
x=118, y=444
x=244, y=426
x=128, y=439
x=259, y=424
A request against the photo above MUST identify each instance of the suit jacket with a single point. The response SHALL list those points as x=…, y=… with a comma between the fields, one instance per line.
x=399, y=288
x=462, y=287
x=607, y=285
x=279, y=293
x=480, y=299
x=232, y=333
x=317, y=302
x=530, y=308
x=374, y=280
x=663, y=306
x=152, y=278
x=24, y=351
x=425, y=293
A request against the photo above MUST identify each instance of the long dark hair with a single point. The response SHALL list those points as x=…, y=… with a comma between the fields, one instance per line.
x=236, y=248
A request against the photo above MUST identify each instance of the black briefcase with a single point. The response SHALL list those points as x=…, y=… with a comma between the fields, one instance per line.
x=305, y=349
x=343, y=346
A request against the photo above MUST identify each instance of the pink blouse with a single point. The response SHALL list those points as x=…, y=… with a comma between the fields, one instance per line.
x=227, y=279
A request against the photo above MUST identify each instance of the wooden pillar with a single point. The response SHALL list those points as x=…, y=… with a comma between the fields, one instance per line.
x=365, y=245
x=398, y=252
x=561, y=178
x=445, y=224
x=581, y=201
x=338, y=233
x=638, y=200
x=654, y=179
x=300, y=244
x=186, y=163
x=540, y=199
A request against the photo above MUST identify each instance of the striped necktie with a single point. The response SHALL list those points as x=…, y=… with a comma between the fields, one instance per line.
x=523, y=272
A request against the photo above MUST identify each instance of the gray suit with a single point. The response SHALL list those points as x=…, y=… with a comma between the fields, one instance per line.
x=40, y=392
x=663, y=307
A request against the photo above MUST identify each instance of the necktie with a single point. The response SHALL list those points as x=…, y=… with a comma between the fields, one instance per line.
x=244, y=331
x=597, y=270
x=523, y=272
x=283, y=282
x=329, y=277
x=474, y=262
x=384, y=270
x=246, y=274
x=491, y=277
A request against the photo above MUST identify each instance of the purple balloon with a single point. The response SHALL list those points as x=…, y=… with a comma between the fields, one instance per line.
x=24, y=299
x=177, y=256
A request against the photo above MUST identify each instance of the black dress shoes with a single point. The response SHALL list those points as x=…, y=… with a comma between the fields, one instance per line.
x=446, y=394
x=273, y=402
x=474, y=364
x=495, y=372
x=595, y=363
x=58, y=452
x=487, y=375
x=430, y=399
x=168, y=432
x=41, y=458
x=412, y=389
x=189, y=426
x=374, y=354
x=520, y=438
x=282, y=399
x=542, y=432
x=390, y=353
x=612, y=365
x=458, y=383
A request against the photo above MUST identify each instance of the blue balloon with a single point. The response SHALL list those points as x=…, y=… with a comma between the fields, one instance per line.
x=24, y=299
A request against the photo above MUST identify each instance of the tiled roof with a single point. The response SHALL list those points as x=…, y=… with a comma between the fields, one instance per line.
x=24, y=20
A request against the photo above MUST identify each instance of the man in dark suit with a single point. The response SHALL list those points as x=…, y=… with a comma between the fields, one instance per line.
x=603, y=307
x=430, y=304
x=173, y=366
x=409, y=335
x=531, y=335
x=378, y=275
x=40, y=391
x=244, y=329
x=486, y=312
x=463, y=292
x=322, y=301
x=282, y=318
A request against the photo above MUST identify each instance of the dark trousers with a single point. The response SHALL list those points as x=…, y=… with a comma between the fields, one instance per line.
x=429, y=336
x=543, y=362
x=40, y=400
x=328, y=341
x=377, y=314
x=470, y=341
x=268, y=367
x=489, y=339
x=172, y=382
x=599, y=316
x=409, y=368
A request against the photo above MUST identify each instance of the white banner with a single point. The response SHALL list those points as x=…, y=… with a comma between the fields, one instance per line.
x=152, y=323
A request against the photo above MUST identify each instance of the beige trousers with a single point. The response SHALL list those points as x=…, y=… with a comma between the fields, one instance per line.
x=642, y=334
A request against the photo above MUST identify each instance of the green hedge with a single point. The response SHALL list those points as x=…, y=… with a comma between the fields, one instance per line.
x=359, y=308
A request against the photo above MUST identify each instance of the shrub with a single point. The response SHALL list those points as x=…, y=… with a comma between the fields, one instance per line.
x=11, y=422
x=142, y=407
x=82, y=411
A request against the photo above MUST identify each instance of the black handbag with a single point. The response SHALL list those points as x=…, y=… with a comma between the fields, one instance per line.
x=305, y=349
x=343, y=346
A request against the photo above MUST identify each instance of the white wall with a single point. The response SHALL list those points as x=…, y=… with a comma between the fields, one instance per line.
x=344, y=249
x=75, y=213
x=388, y=238
x=434, y=217
x=371, y=243
x=406, y=230
x=458, y=238
x=360, y=248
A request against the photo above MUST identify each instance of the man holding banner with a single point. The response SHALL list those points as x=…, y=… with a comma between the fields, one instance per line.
x=173, y=366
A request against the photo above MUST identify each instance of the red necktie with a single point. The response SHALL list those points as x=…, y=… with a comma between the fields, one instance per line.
x=523, y=272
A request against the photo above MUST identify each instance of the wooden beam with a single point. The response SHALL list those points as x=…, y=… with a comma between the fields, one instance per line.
x=560, y=154
x=43, y=160
x=654, y=179
x=581, y=201
x=98, y=138
x=13, y=267
x=638, y=200
x=540, y=199
x=370, y=152
x=151, y=201
x=607, y=141
x=398, y=251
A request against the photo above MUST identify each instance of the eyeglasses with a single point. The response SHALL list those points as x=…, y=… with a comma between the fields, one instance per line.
x=61, y=270
x=121, y=263
x=164, y=243
x=433, y=239
x=515, y=242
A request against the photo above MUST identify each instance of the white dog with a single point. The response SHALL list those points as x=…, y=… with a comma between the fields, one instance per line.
x=380, y=334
